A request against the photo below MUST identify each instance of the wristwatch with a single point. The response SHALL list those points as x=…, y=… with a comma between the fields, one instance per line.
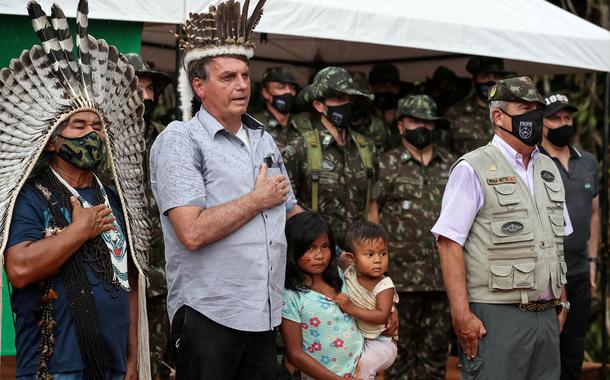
x=565, y=305
x=594, y=259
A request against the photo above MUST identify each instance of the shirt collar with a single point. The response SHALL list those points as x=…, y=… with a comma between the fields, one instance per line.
x=510, y=153
x=574, y=153
x=212, y=125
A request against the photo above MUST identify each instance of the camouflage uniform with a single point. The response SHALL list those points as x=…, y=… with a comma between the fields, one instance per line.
x=470, y=124
x=156, y=293
x=409, y=196
x=365, y=120
x=343, y=178
x=282, y=135
x=158, y=320
x=373, y=128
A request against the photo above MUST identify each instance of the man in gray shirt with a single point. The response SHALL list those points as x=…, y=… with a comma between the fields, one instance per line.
x=578, y=171
x=223, y=194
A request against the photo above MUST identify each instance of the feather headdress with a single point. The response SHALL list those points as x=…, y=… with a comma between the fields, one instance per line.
x=224, y=30
x=44, y=87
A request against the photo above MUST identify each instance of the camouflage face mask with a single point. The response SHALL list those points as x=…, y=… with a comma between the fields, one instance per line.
x=84, y=152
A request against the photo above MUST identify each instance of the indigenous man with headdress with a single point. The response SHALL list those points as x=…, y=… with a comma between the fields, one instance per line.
x=224, y=196
x=75, y=247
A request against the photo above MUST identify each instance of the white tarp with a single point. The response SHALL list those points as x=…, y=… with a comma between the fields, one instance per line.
x=161, y=11
x=527, y=33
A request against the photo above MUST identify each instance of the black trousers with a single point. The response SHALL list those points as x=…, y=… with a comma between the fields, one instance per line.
x=206, y=350
x=572, y=343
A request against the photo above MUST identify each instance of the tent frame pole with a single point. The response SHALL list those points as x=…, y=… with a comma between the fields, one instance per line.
x=603, y=268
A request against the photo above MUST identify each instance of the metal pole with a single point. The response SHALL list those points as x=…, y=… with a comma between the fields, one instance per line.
x=604, y=252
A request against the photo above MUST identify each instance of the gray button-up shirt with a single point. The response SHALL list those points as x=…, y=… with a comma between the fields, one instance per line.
x=237, y=281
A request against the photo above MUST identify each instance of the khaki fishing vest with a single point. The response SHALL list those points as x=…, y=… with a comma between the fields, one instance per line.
x=515, y=246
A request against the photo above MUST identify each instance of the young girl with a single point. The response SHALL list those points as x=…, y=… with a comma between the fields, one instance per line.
x=371, y=296
x=322, y=341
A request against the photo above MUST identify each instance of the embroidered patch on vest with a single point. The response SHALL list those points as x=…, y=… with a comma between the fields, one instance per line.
x=547, y=176
x=512, y=228
x=501, y=180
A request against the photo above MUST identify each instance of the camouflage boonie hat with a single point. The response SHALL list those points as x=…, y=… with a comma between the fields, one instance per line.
x=420, y=107
x=142, y=69
x=361, y=80
x=486, y=65
x=328, y=81
x=280, y=74
x=515, y=89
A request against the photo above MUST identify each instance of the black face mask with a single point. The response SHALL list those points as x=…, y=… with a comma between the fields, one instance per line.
x=527, y=127
x=483, y=89
x=340, y=116
x=561, y=136
x=149, y=108
x=419, y=137
x=283, y=103
x=386, y=100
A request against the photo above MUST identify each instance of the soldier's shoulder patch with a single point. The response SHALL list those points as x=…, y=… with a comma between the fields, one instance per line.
x=501, y=180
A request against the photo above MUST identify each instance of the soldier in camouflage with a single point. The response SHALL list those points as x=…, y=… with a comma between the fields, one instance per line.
x=407, y=202
x=384, y=79
x=152, y=83
x=365, y=121
x=279, y=91
x=469, y=118
x=332, y=168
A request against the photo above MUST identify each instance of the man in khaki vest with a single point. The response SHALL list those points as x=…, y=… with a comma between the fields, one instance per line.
x=500, y=238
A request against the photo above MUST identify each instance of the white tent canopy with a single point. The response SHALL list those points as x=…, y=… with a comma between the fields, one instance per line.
x=534, y=36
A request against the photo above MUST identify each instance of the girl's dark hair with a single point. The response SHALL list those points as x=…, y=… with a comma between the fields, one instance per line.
x=301, y=231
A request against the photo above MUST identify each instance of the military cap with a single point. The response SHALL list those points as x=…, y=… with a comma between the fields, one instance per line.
x=328, y=81
x=515, y=89
x=419, y=107
x=555, y=102
x=486, y=65
x=361, y=80
x=384, y=72
x=280, y=74
x=142, y=69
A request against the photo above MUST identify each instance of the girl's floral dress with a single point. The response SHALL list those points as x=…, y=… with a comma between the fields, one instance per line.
x=329, y=336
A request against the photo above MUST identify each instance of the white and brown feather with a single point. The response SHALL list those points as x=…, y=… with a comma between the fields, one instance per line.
x=48, y=83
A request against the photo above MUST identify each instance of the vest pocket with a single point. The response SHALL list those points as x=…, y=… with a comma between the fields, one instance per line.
x=558, y=225
x=506, y=276
x=506, y=194
x=502, y=277
x=511, y=230
x=524, y=275
x=554, y=192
